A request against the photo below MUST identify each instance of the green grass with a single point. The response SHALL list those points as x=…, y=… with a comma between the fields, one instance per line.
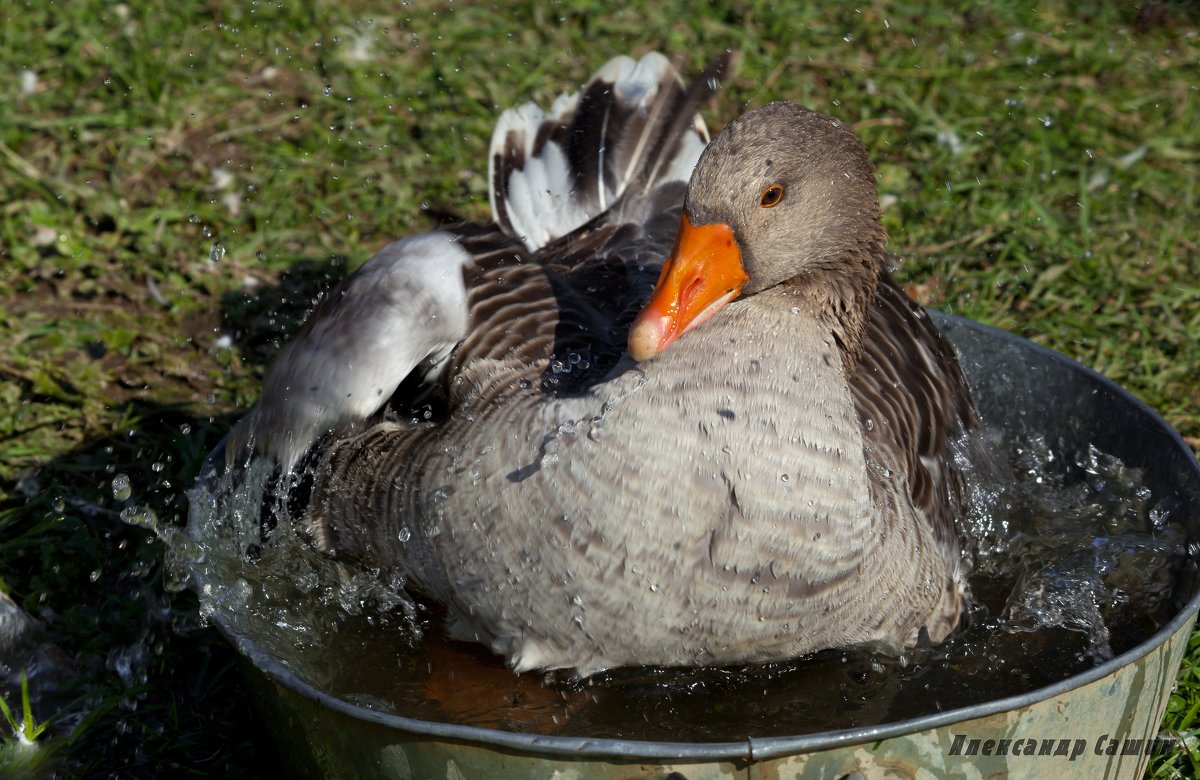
x=175, y=173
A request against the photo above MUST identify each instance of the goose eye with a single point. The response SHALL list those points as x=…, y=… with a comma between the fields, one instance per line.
x=771, y=196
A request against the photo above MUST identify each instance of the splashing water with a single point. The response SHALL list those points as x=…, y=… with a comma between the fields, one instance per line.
x=283, y=593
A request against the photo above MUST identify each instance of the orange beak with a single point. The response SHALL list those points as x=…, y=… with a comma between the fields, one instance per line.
x=702, y=275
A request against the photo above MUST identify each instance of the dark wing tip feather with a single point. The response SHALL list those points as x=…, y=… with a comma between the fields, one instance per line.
x=681, y=114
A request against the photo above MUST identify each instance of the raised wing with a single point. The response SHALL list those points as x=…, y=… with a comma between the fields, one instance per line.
x=404, y=310
x=632, y=128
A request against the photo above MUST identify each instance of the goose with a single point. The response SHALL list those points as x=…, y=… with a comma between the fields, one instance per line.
x=667, y=408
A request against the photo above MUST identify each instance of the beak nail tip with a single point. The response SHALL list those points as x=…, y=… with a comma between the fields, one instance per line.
x=644, y=341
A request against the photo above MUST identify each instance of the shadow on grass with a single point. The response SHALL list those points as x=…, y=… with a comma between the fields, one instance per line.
x=132, y=682
x=262, y=319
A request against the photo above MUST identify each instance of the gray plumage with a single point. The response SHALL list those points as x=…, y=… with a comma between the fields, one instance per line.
x=775, y=482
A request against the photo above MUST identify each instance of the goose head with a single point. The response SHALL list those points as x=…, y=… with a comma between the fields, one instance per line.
x=782, y=194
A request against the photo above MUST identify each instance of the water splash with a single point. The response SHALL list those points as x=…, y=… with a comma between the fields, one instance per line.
x=259, y=574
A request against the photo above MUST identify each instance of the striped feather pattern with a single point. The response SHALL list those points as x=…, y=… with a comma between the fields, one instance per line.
x=913, y=400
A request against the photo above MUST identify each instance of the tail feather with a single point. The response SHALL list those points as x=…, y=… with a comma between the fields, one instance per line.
x=671, y=151
x=633, y=127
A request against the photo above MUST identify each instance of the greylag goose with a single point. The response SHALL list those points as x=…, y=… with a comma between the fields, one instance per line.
x=750, y=467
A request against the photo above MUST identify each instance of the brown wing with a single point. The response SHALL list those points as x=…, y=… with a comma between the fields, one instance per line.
x=626, y=149
x=565, y=309
x=912, y=400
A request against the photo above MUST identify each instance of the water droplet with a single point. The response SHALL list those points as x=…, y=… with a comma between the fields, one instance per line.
x=240, y=592
x=185, y=429
x=783, y=477
x=141, y=517
x=121, y=489
x=404, y=535
x=216, y=253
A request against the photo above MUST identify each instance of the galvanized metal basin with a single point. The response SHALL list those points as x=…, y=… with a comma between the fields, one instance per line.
x=1101, y=723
